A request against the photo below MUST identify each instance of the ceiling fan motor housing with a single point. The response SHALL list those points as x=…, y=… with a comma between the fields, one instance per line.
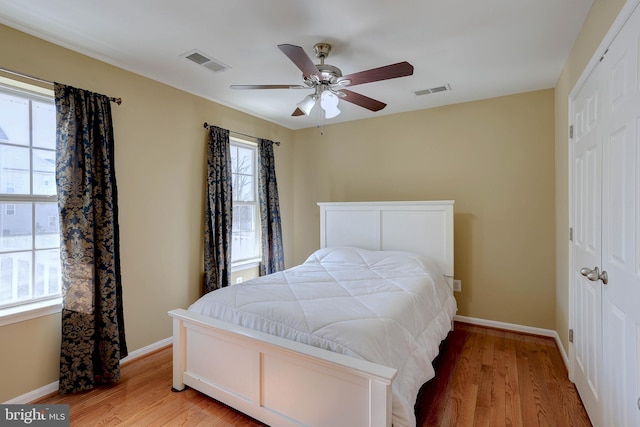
x=327, y=74
x=322, y=50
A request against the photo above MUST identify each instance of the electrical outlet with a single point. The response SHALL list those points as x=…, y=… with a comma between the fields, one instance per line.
x=457, y=285
x=239, y=279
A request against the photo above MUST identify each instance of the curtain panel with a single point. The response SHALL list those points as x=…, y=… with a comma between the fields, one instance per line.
x=271, y=230
x=218, y=211
x=93, y=335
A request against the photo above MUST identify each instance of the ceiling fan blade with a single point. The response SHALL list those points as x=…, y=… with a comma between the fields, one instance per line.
x=297, y=55
x=401, y=69
x=244, y=87
x=297, y=112
x=362, y=101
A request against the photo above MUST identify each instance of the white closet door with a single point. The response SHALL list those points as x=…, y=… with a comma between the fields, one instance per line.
x=620, y=216
x=586, y=206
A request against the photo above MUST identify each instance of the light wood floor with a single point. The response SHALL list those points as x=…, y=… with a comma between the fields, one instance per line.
x=484, y=377
x=490, y=377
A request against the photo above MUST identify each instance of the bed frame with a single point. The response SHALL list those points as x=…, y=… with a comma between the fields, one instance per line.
x=285, y=383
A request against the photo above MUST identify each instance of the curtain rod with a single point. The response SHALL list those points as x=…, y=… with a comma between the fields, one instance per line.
x=206, y=126
x=38, y=79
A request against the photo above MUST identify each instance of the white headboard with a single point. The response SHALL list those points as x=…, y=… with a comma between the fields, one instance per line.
x=424, y=227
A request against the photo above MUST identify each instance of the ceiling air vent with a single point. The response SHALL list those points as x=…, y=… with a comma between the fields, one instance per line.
x=202, y=59
x=444, y=88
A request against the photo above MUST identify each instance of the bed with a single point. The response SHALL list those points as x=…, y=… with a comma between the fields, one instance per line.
x=331, y=368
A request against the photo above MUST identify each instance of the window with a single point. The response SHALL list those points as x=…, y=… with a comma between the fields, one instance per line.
x=29, y=224
x=245, y=245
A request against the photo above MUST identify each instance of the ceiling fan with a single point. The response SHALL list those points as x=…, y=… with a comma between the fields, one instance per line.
x=329, y=84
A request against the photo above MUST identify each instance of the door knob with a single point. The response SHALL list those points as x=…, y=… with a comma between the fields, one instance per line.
x=604, y=277
x=595, y=275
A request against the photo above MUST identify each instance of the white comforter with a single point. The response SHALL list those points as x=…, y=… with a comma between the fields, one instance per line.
x=385, y=307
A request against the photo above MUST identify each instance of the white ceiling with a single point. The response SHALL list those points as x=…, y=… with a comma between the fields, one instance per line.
x=482, y=49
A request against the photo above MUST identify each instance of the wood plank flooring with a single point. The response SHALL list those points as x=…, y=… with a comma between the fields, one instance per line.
x=143, y=397
x=491, y=377
x=484, y=377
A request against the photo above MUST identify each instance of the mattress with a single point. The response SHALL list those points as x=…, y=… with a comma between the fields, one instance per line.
x=388, y=307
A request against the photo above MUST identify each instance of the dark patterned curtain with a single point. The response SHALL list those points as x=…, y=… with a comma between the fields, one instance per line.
x=93, y=339
x=218, y=214
x=272, y=249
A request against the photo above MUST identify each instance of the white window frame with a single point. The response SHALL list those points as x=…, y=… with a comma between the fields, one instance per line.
x=243, y=264
x=52, y=304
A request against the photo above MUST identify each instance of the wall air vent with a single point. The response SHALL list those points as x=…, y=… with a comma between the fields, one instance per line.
x=202, y=59
x=437, y=89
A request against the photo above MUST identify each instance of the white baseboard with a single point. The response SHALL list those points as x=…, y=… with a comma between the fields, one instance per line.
x=136, y=354
x=34, y=395
x=519, y=328
x=53, y=387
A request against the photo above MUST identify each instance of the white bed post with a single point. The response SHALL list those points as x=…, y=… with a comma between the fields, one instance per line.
x=380, y=404
x=179, y=353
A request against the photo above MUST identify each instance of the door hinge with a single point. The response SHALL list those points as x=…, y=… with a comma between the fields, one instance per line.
x=571, y=234
x=570, y=335
x=603, y=55
x=571, y=131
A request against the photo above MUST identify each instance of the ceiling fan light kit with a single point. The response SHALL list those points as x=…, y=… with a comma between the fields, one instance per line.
x=329, y=84
x=307, y=104
x=329, y=103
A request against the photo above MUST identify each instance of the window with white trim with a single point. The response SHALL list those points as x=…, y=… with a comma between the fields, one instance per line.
x=245, y=245
x=29, y=224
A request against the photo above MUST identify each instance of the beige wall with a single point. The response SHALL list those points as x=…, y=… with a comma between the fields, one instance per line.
x=601, y=16
x=495, y=158
x=160, y=167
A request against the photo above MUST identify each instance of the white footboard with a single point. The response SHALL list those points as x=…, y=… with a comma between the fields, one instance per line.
x=278, y=381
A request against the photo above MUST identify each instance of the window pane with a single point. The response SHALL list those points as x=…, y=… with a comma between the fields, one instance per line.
x=233, y=151
x=44, y=172
x=15, y=277
x=14, y=170
x=47, y=281
x=44, y=125
x=243, y=189
x=245, y=234
x=243, y=169
x=14, y=119
x=244, y=246
x=242, y=160
x=15, y=230
x=244, y=218
x=47, y=226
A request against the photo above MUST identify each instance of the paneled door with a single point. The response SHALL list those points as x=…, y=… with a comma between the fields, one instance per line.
x=620, y=240
x=586, y=207
x=605, y=206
